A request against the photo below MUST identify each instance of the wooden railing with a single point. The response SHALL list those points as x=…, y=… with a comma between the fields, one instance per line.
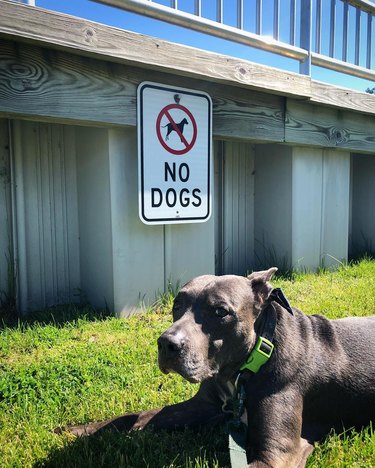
x=334, y=34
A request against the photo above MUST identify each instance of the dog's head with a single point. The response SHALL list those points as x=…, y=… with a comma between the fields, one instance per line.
x=213, y=325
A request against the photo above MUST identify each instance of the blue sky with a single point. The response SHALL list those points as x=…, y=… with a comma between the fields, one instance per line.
x=132, y=22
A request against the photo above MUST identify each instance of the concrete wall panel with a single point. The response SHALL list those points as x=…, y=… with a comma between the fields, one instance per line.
x=273, y=206
x=189, y=251
x=137, y=249
x=335, y=207
x=94, y=205
x=148, y=259
x=320, y=207
x=307, y=207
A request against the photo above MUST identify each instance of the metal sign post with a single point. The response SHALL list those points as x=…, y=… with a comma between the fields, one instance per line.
x=174, y=154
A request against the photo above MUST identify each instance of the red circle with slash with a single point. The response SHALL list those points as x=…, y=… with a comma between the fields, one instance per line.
x=177, y=128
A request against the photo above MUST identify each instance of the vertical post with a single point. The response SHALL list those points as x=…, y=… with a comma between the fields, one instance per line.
x=369, y=40
x=219, y=11
x=292, y=26
x=276, y=19
x=259, y=10
x=357, y=35
x=345, y=33
x=318, y=33
x=240, y=14
x=198, y=8
x=306, y=35
x=332, y=29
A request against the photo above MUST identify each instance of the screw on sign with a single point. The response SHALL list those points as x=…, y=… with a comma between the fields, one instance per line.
x=171, y=127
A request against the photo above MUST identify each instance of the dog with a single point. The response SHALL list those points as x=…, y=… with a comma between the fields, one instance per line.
x=319, y=374
x=171, y=128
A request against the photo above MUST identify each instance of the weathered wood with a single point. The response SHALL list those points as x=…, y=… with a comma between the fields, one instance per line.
x=59, y=31
x=50, y=85
x=246, y=115
x=88, y=38
x=313, y=125
x=344, y=98
x=44, y=83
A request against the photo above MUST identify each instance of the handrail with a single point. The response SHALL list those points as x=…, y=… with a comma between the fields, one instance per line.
x=309, y=48
x=204, y=25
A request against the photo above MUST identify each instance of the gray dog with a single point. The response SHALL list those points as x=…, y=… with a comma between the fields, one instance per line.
x=302, y=375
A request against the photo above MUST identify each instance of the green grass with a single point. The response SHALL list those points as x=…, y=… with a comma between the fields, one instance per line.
x=75, y=366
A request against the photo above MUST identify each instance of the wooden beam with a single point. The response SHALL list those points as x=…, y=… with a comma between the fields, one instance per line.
x=56, y=30
x=43, y=84
x=59, y=31
x=314, y=125
x=343, y=98
x=49, y=85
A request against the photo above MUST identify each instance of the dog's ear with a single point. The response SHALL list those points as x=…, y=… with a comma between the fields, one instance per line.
x=260, y=284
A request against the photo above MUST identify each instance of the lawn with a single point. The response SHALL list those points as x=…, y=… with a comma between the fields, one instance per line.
x=73, y=365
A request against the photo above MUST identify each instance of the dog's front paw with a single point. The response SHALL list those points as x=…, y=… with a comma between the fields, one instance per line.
x=78, y=431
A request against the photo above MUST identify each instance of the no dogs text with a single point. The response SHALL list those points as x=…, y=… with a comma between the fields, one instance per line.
x=171, y=196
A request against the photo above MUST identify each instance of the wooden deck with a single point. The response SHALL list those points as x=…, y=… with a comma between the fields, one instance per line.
x=288, y=175
x=56, y=67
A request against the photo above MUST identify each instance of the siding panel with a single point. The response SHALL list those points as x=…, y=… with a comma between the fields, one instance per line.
x=45, y=204
x=237, y=245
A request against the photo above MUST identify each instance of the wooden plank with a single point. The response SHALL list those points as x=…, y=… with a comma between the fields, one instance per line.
x=314, y=125
x=50, y=85
x=328, y=95
x=44, y=84
x=246, y=115
x=84, y=37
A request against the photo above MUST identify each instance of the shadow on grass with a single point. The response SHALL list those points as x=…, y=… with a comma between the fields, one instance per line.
x=204, y=448
x=57, y=315
x=207, y=447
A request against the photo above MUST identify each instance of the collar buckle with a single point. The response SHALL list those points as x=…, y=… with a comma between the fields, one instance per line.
x=259, y=355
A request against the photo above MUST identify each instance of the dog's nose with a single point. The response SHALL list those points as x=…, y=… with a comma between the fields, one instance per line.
x=170, y=345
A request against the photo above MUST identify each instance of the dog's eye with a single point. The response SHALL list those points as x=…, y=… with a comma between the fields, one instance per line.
x=176, y=312
x=220, y=312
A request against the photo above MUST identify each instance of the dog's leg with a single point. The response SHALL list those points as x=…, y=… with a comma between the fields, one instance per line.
x=305, y=451
x=274, y=431
x=195, y=412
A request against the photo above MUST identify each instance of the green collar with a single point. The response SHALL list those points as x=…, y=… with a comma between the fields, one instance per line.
x=263, y=348
x=236, y=428
x=260, y=354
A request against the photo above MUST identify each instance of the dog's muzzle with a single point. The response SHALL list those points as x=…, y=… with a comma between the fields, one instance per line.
x=171, y=348
x=175, y=355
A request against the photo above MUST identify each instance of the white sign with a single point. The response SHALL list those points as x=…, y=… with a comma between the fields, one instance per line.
x=174, y=154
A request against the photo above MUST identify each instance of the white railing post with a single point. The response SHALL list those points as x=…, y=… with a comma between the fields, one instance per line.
x=306, y=36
